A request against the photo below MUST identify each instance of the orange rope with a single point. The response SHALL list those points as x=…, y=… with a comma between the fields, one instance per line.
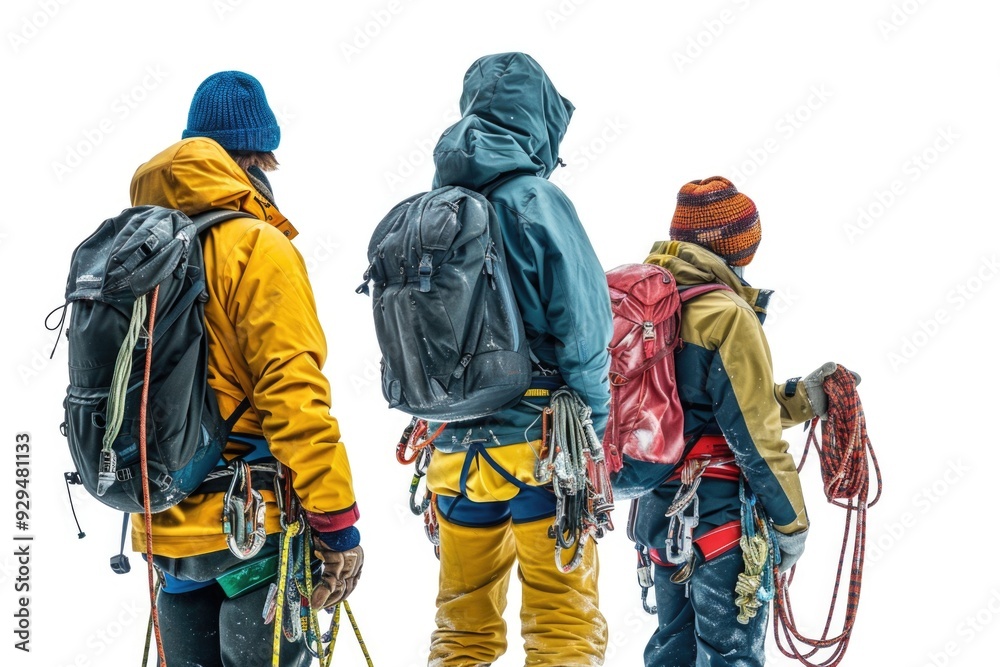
x=147, y=513
x=844, y=464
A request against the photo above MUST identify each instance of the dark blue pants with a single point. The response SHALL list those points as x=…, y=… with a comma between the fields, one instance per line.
x=701, y=630
x=202, y=627
x=206, y=629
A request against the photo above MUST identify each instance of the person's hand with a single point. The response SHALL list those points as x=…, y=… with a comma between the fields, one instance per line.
x=341, y=571
x=814, y=387
x=790, y=547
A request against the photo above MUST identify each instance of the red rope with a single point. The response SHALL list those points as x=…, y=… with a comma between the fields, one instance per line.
x=844, y=465
x=415, y=440
x=147, y=513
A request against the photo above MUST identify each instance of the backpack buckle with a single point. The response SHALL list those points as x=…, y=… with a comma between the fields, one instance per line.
x=106, y=476
x=424, y=272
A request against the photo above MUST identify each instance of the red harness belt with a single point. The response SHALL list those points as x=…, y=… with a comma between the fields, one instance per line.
x=715, y=450
x=713, y=543
x=711, y=453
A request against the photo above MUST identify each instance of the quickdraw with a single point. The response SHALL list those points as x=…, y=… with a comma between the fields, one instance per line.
x=844, y=456
x=644, y=565
x=288, y=601
x=572, y=459
x=415, y=447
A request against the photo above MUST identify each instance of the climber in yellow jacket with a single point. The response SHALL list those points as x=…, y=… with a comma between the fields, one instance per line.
x=265, y=344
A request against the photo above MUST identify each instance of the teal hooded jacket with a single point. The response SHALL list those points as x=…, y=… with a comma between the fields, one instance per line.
x=513, y=121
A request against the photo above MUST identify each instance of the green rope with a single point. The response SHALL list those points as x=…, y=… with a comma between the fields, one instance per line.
x=123, y=369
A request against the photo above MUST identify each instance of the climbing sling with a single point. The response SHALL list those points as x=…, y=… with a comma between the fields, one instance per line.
x=844, y=455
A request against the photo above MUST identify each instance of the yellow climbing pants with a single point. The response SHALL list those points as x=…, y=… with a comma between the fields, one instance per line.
x=488, y=514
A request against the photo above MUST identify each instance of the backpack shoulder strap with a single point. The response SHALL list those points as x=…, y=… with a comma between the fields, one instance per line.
x=688, y=292
x=206, y=219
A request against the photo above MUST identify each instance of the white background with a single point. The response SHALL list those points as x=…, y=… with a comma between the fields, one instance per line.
x=865, y=131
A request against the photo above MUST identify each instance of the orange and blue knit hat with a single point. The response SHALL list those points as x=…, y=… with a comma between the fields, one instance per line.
x=712, y=214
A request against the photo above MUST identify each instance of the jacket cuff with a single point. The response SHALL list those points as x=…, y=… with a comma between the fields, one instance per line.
x=794, y=402
x=341, y=540
x=329, y=522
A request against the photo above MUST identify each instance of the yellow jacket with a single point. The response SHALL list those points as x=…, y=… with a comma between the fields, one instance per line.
x=265, y=342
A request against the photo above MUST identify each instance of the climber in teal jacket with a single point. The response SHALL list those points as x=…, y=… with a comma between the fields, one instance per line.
x=488, y=503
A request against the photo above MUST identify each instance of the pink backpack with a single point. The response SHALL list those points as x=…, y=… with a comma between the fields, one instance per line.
x=646, y=421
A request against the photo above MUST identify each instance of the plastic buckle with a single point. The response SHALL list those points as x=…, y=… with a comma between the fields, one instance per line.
x=120, y=564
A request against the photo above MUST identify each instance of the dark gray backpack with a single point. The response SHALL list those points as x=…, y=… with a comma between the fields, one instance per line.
x=452, y=340
x=112, y=278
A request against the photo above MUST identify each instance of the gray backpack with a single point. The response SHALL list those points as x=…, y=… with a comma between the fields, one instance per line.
x=112, y=277
x=452, y=340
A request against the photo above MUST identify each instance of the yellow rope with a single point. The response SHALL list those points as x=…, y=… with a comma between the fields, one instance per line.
x=283, y=564
x=748, y=582
x=357, y=632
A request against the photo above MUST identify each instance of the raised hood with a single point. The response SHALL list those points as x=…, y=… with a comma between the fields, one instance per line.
x=513, y=120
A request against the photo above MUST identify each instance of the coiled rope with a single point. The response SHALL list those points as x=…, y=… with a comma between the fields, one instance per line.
x=844, y=455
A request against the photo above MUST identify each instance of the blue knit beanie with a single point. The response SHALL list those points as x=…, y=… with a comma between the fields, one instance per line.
x=231, y=108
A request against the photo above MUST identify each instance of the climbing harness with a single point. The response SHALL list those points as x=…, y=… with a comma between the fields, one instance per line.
x=572, y=459
x=709, y=457
x=416, y=447
x=243, y=512
x=844, y=455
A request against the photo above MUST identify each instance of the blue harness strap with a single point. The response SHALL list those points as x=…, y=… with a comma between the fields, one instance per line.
x=530, y=504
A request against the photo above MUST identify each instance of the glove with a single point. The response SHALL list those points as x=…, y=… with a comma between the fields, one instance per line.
x=341, y=571
x=790, y=547
x=814, y=387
